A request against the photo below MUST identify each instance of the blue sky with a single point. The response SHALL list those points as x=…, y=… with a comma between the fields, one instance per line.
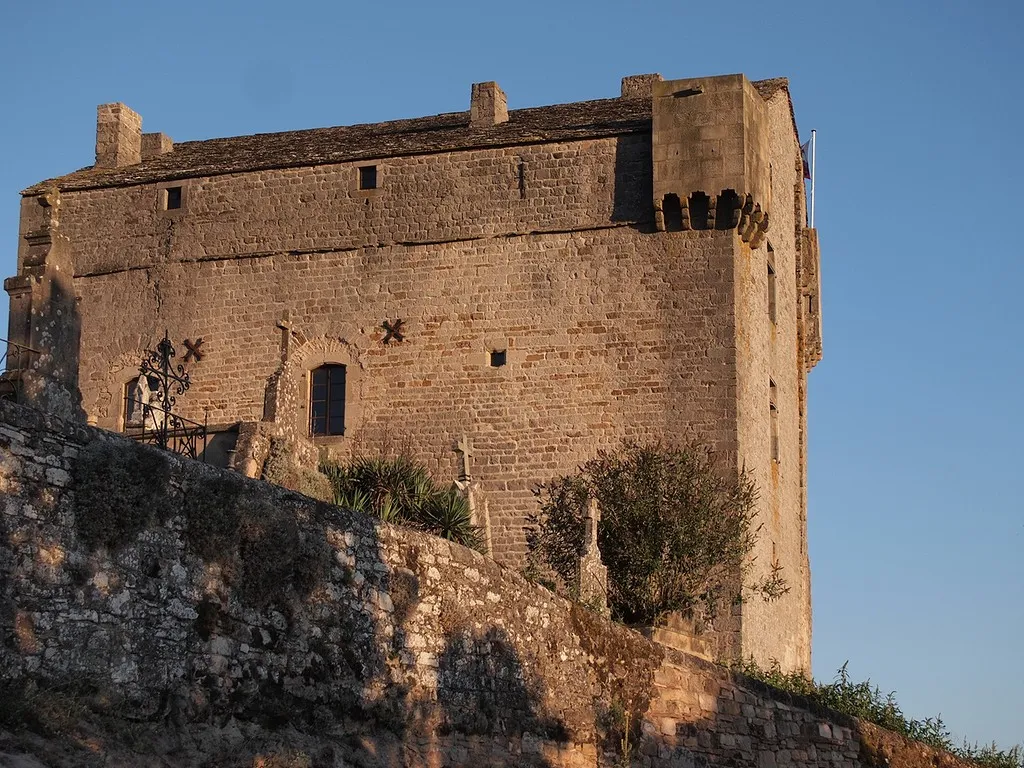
x=915, y=413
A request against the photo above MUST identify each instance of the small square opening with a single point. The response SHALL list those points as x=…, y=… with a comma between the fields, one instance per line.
x=173, y=198
x=498, y=358
x=368, y=177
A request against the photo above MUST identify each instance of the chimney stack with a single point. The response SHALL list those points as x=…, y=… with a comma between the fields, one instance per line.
x=488, y=105
x=118, y=136
x=156, y=144
x=639, y=86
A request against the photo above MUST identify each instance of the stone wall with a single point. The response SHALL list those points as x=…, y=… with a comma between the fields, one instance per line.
x=222, y=618
x=768, y=350
x=420, y=199
x=608, y=334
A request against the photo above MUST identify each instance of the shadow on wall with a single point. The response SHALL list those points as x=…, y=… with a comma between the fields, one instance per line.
x=42, y=371
x=634, y=181
x=482, y=688
x=220, y=621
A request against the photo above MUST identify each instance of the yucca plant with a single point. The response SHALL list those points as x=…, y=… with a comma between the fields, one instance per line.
x=446, y=514
x=400, y=491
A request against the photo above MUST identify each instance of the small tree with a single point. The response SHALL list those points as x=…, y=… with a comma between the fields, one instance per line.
x=676, y=533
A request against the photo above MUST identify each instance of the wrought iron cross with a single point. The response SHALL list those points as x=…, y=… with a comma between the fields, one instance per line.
x=172, y=381
x=192, y=349
x=393, y=331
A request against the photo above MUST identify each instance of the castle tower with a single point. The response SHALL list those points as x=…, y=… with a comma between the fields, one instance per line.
x=544, y=282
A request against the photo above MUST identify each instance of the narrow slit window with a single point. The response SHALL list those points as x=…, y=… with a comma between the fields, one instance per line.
x=771, y=284
x=327, y=401
x=773, y=414
x=368, y=177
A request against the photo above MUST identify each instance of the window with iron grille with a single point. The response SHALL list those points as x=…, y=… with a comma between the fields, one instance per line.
x=327, y=401
x=368, y=177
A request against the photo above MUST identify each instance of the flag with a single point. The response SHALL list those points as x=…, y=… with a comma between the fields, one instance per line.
x=805, y=152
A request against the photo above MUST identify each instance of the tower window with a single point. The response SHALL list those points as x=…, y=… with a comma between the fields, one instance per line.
x=498, y=358
x=773, y=413
x=771, y=283
x=172, y=201
x=368, y=177
x=327, y=401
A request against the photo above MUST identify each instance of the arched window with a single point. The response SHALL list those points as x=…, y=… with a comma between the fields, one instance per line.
x=140, y=397
x=327, y=401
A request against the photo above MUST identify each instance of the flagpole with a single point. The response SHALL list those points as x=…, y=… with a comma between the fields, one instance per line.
x=814, y=170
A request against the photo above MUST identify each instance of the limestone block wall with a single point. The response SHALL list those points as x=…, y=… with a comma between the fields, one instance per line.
x=608, y=334
x=769, y=350
x=420, y=199
x=234, y=617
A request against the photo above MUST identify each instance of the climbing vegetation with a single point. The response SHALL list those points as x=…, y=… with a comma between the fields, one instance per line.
x=866, y=701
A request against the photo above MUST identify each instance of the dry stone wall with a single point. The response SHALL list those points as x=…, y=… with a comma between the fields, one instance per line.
x=229, y=615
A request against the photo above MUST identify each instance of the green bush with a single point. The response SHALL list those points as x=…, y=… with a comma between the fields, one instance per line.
x=867, y=702
x=400, y=491
x=675, y=532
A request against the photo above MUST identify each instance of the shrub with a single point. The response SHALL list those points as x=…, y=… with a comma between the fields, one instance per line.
x=400, y=491
x=675, y=532
x=867, y=702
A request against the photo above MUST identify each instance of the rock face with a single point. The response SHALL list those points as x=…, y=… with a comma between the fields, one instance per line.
x=163, y=612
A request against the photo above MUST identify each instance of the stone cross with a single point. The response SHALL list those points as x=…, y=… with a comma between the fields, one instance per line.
x=593, y=518
x=592, y=581
x=286, y=332
x=464, y=448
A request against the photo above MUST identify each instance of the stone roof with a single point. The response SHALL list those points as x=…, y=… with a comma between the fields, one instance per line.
x=322, y=146
x=425, y=135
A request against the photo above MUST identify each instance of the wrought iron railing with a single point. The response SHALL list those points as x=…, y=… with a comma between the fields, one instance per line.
x=154, y=425
x=149, y=416
x=15, y=357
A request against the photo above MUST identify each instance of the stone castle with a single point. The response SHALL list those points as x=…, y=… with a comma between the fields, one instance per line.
x=531, y=285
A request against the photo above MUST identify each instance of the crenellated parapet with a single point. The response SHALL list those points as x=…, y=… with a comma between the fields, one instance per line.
x=710, y=149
